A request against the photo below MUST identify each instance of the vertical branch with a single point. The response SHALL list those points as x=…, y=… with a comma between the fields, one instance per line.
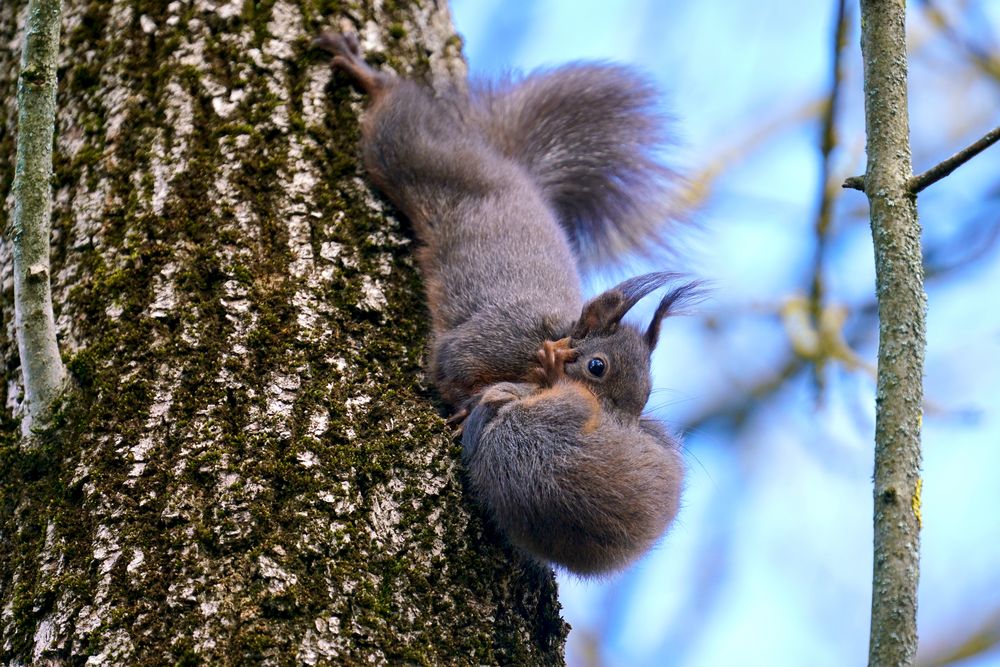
x=899, y=285
x=41, y=365
x=824, y=212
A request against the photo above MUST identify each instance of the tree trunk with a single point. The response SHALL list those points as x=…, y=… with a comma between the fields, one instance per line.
x=251, y=468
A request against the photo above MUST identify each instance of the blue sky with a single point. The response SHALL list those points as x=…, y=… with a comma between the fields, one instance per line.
x=769, y=563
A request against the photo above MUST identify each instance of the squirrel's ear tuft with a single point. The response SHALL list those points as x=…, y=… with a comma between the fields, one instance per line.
x=684, y=295
x=603, y=313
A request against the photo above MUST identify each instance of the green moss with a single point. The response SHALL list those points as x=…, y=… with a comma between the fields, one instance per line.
x=83, y=368
x=187, y=657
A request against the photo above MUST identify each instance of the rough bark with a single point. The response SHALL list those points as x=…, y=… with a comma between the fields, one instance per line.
x=901, y=307
x=42, y=368
x=251, y=469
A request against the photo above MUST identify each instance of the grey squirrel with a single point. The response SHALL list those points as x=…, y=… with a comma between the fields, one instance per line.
x=509, y=188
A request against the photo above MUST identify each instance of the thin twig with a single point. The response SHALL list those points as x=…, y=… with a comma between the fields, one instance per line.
x=981, y=57
x=41, y=365
x=735, y=407
x=965, y=641
x=854, y=183
x=975, y=241
x=700, y=186
x=824, y=210
x=942, y=169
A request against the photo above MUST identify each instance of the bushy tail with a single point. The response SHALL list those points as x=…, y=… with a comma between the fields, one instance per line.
x=591, y=136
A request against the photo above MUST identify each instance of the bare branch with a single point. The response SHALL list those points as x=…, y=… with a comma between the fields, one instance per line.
x=700, y=185
x=984, y=61
x=737, y=406
x=902, y=337
x=942, y=169
x=966, y=641
x=824, y=210
x=41, y=364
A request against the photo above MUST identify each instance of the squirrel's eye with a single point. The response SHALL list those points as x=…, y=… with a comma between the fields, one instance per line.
x=596, y=366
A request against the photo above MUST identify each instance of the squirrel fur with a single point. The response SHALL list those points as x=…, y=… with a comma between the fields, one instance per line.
x=511, y=188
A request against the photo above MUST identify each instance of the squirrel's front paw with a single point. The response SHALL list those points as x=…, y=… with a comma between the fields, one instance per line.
x=553, y=356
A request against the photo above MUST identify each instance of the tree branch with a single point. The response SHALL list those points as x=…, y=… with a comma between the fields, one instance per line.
x=938, y=171
x=942, y=169
x=824, y=210
x=854, y=183
x=981, y=57
x=966, y=641
x=902, y=339
x=41, y=364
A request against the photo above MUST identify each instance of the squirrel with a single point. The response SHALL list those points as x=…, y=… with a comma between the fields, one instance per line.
x=510, y=188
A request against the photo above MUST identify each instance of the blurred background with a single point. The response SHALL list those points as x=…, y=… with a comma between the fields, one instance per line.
x=772, y=379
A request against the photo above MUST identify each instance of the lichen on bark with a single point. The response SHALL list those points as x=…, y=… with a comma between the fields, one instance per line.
x=251, y=468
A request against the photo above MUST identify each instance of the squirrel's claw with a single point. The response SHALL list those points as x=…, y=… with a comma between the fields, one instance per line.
x=553, y=356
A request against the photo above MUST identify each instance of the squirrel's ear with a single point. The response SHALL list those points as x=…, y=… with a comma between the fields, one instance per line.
x=605, y=311
x=683, y=295
x=597, y=313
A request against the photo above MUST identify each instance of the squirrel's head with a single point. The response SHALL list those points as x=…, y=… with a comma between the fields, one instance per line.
x=613, y=357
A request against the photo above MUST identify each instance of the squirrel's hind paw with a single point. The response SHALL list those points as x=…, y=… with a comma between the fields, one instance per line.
x=456, y=422
x=338, y=43
x=346, y=51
